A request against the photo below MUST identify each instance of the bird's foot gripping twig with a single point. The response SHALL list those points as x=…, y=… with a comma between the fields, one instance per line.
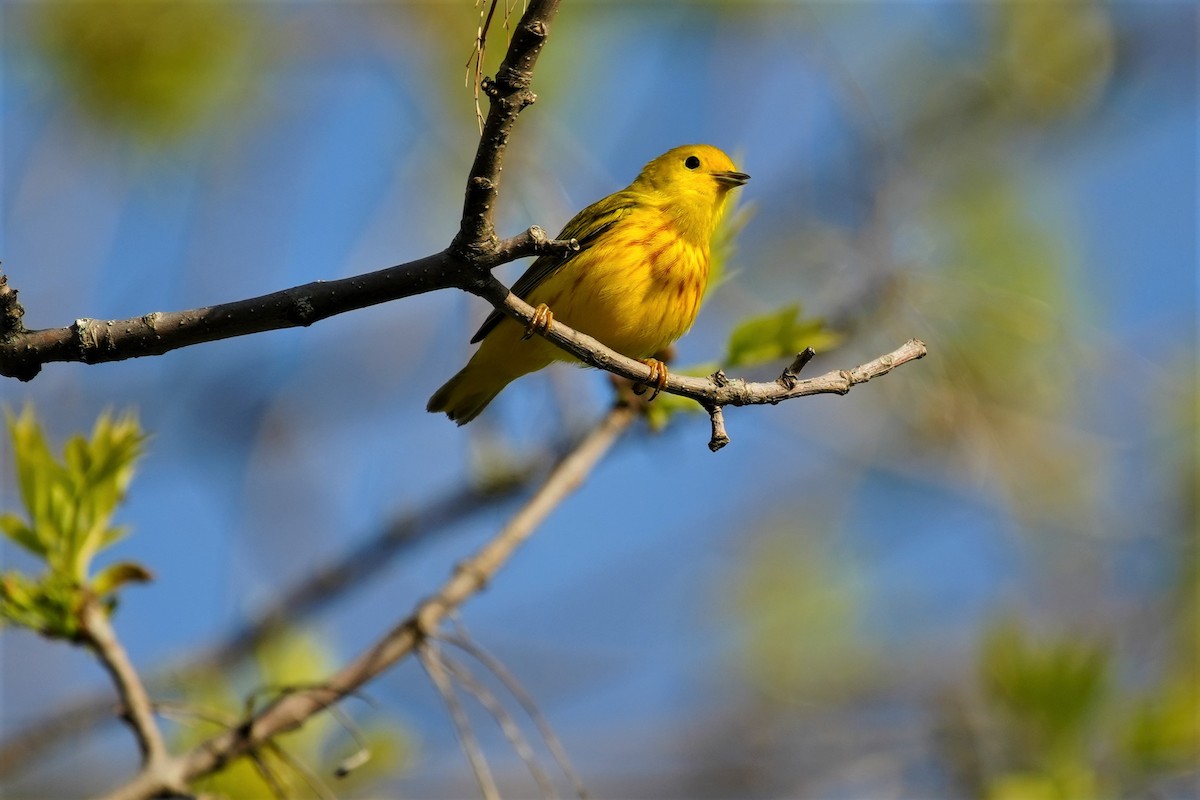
x=658, y=378
x=542, y=317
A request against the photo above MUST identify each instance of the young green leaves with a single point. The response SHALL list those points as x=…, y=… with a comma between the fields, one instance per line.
x=69, y=505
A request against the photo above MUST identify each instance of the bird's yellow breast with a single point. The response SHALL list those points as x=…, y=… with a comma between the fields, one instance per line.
x=637, y=291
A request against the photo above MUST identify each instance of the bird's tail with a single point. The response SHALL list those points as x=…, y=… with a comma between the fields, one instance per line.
x=467, y=393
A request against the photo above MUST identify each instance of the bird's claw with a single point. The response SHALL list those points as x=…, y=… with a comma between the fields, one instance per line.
x=658, y=378
x=542, y=317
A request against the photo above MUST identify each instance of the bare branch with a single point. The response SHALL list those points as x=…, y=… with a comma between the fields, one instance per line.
x=791, y=372
x=716, y=391
x=290, y=711
x=98, y=634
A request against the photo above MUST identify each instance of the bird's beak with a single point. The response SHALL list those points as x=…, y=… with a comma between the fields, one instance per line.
x=730, y=179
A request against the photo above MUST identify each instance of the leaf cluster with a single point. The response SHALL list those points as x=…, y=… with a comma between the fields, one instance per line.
x=1052, y=688
x=1060, y=704
x=69, y=503
x=151, y=68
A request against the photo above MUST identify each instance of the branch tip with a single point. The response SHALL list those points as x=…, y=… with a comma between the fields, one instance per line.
x=11, y=310
x=352, y=762
x=720, y=437
x=791, y=373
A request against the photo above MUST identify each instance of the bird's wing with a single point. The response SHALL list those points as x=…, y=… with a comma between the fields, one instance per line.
x=586, y=227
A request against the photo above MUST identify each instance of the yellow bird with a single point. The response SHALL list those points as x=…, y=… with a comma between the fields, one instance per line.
x=635, y=283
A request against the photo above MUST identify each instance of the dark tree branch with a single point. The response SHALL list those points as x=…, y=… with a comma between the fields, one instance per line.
x=23, y=352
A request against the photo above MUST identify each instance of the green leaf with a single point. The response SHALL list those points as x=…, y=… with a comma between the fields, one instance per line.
x=114, y=576
x=666, y=406
x=778, y=335
x=33, y=461
x=16, y=592
x=14, y=528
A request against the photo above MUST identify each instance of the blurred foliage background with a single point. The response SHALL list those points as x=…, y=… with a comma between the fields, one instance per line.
x=974, y=578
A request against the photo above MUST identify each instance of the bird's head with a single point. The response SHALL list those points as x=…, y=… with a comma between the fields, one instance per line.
x=691, y=183
x=695, y=170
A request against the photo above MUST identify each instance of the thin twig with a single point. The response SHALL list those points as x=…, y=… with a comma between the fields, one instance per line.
x=321, y=789
x=360, y=756
x=791, y=373
x=508, y=726
x=525, y=700
x=186, y=713
x=98, y=633
x=268, y=776
x=429, y=655
x=478, y=52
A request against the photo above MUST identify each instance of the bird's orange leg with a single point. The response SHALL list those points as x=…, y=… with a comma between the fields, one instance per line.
x=542, y=317
x=658, y=378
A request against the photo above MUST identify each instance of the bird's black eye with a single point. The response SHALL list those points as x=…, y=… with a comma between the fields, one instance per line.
x=691, y=162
